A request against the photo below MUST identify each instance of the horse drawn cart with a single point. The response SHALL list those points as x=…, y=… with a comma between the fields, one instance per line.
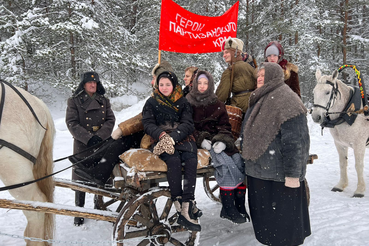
x=143, y=213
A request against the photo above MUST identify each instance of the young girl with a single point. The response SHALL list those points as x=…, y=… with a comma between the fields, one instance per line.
x=213, y=132
x=167, y=118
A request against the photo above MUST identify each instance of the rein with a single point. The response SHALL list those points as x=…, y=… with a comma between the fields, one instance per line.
x=14, y=186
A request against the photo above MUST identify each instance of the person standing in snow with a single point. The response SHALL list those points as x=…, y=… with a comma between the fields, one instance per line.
x=238, y=80
x=90, y=120
x=275, y=160
x=274, y=52
x=167, y=118
x=213, y=132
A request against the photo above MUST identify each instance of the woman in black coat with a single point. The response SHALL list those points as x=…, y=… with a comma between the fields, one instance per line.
x=167, y=118
x=275, y=146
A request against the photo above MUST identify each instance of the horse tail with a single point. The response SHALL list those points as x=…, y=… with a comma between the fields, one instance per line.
x=44, y=166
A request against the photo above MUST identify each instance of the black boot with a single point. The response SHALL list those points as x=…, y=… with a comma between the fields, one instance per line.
x=185, y=220
x=239, y=199
x=229, y=210
x=80, y=202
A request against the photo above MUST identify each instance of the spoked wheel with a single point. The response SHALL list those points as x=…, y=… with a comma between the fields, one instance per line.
x=151, y=220
x=211, y=188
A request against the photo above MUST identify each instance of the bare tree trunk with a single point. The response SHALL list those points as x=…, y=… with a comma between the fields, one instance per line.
x=247, y=25
x=282, y=18
x=344, y=31
x=72, y=47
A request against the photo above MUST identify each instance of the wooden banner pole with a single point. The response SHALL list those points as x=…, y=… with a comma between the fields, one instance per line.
x=159, y=56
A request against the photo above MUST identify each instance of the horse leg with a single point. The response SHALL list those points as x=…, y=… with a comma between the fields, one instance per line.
x=342, y=153
x=35, y=220
x=359, y=166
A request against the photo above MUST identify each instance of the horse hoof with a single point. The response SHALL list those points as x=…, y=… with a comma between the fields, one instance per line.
x=358, y=195
x=336, y=189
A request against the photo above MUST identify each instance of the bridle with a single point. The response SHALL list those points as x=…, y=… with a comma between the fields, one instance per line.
x=331, y=101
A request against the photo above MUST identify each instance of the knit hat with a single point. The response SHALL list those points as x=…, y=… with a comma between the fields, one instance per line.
x=272, y=50
x=233, y=43
x=89, y=76
x=169, y=75
x=279, y=47
x=203, y=76
x=159, y=68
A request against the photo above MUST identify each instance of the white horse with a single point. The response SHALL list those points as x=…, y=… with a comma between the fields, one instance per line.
x=20, y=127
x=333, y=108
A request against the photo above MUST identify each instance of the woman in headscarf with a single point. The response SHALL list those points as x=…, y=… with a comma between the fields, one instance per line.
x=213, y=132
x=275, y=147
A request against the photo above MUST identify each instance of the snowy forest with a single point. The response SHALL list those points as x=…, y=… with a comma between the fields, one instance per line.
x=55, y=41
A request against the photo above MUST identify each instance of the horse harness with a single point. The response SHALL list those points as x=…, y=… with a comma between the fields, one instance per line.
x=355, y=100
x=4, y=143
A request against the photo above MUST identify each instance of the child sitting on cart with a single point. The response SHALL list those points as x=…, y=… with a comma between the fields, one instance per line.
x=167, y=118
x=213, y=132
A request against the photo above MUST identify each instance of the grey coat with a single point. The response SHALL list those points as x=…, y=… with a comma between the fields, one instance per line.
x=286, y=156
x=86, y=117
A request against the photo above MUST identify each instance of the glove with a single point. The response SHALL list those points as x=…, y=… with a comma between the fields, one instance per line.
x=292, y=182
x=117, y=133
x=206, y=144
x=219, y=147
x=165, y=144
x=94, y=140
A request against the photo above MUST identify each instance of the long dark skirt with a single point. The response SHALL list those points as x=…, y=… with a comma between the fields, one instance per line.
x=279, y=214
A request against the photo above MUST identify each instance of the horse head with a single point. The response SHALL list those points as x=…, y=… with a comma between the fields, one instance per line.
x=326, y=95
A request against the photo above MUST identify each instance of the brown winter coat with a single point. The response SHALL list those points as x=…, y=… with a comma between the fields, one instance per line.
x=291, y=77
x=87, y=117
x=212, y=123
x=244, y=81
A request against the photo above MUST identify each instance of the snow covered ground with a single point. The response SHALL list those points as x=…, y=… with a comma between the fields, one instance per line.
x=336, y=218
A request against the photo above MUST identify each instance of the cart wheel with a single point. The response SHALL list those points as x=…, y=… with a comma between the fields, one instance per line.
x=150, y=220
x=211, y=188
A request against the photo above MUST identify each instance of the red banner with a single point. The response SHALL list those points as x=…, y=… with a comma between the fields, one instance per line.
x=184, y=32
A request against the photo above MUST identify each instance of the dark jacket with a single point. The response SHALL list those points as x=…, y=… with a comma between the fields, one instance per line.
x=153, y=119
x=212, y=123
x=86, y=117
x=286, y=156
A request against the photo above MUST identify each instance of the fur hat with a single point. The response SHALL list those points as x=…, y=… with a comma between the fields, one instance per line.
x=90, y=76
x=169, y=75
x=86, y=77
x=233, y=43
x=159, y=68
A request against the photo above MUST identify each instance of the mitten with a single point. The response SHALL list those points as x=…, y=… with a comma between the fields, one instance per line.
x=206, y=144
x=94, y=140
x=292, y=182
x=165, y=144
x=117, y=133
x=219, y=147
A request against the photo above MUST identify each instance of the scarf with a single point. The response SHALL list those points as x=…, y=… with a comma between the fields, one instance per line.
x=196, y=98
x=270, y=106
x=166, y=107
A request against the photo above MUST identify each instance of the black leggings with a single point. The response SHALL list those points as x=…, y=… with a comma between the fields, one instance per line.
x=174, y=174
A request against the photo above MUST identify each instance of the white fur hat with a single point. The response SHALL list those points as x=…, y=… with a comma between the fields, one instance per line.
x=233, y=43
